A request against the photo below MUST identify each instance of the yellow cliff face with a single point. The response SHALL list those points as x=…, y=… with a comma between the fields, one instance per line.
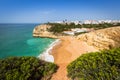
x=41, y=31
x=102, y=39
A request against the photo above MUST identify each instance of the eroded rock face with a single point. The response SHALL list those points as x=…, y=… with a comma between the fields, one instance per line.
x=102, y=39
x=41, y=31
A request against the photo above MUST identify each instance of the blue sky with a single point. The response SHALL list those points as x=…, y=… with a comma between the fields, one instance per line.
x=39, y=11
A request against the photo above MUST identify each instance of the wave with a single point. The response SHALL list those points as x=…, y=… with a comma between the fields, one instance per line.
x=46, y=54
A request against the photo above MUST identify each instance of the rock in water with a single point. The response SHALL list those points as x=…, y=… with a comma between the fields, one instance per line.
x=102, y=39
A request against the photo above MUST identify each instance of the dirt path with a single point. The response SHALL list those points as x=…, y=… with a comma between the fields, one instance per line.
x=61, y=73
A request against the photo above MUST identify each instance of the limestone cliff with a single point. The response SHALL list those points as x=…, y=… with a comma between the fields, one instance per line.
x=102, y=39
x=41, y=31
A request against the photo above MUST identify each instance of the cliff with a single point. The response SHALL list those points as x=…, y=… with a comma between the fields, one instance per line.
x=102, y=39
x=41, y=31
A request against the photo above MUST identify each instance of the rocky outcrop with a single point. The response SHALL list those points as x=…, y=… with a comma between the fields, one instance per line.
x=42, y=31
x=102, y=39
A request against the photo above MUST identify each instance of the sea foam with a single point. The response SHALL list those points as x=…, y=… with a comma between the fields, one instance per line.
x=46, y=54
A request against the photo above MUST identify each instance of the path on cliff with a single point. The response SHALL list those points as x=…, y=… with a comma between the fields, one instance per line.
x=61, y=73
x=65, y=52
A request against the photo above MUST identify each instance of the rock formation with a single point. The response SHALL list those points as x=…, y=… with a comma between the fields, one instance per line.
x=102, y=39
x=42, y=31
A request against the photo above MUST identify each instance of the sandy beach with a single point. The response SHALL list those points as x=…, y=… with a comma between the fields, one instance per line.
x=65, y=52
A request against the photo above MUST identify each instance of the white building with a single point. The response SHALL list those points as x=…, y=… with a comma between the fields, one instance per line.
x=88, y=22
x=91, y=22
x=69, y=33
x=78, y=30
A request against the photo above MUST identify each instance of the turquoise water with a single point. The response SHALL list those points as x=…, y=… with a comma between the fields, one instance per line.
x=17, y=40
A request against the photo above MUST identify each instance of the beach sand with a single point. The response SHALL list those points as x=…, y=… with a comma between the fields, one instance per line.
x=65, y=52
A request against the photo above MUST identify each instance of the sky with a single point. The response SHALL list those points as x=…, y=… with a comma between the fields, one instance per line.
x=41, y=11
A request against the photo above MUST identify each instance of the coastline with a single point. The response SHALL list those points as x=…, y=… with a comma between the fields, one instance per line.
x=70, y=48
x=67, y=51
x=63, y=51
x=46, y=55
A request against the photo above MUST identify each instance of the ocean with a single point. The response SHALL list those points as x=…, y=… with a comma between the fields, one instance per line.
x=17, y=40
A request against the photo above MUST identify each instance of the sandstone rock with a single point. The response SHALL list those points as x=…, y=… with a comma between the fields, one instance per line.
x=41, y=31
x=102, y=39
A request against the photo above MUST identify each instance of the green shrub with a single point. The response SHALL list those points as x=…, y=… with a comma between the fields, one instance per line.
x=25, y=68
x=104, y=65
x=59, y=28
